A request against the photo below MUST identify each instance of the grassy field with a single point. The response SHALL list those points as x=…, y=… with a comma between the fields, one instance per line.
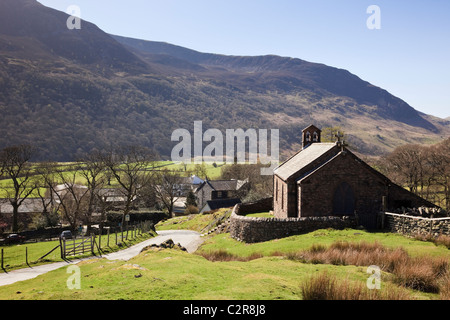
x=15, y=255
x=210, y=170
x=196, y=222
x=324, y=237
x=176, y=275
x=269, y=273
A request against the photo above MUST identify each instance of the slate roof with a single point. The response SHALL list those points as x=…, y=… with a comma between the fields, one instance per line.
x=221, y=203
x=224, y=185
x=302, y=158
x=312, y=127
x=30, y=205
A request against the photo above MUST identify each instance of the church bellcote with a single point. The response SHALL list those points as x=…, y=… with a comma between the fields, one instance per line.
x=310, y=135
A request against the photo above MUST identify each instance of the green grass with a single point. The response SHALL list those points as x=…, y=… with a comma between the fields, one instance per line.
x=15, y=255
x=195, y=222
x=260, y=215
x=176, y=275
x=213, y=172
x=325, y=237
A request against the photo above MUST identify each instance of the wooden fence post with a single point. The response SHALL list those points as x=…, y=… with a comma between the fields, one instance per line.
x=63, y=255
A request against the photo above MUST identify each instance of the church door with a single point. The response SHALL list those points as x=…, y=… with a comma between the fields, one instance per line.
x=344, y=200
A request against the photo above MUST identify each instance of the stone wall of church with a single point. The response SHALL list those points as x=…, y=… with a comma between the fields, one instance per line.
x=317, y=191
x=410, y=225
x=280, y=201
x=251, y=230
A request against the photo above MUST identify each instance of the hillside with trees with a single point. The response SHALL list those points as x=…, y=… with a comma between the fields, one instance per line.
x=70, y=92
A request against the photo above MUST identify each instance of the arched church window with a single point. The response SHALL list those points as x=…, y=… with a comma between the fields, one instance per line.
x=315, y=137
x=308, y=137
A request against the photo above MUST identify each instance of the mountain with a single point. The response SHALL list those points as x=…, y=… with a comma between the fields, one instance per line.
x=71, y=91
x=289, y=75
x=29, y=24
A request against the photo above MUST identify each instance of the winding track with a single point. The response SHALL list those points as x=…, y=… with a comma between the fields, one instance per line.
x=191, y=240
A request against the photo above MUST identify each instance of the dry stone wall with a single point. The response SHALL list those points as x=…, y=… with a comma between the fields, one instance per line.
x=410, y=225
x=251, y=230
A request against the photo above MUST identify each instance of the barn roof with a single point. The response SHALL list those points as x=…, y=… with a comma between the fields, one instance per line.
x=301, y=159
x=30, y=205
x=224, y=185
x=220, y=203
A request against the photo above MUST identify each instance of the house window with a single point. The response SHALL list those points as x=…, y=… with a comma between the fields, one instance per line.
x=282, y=197
x=221, y=194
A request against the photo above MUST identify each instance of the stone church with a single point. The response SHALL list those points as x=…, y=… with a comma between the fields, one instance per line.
x=326, y=179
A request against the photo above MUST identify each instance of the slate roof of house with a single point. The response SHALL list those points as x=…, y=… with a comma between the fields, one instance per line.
x=221, y=203
x=113, y=194
x=28, y=206
x=224, y=185
x=302, y=158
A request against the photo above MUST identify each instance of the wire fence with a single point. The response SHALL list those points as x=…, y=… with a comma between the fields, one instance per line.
x=112, y=239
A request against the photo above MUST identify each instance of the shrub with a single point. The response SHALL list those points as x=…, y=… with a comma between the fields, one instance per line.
x=440, y=240
x=443, y=240
x=190, y=209
x=348, y=253
x=421, y=273
x=326, y=287
x=444, y=287
x=223, y=255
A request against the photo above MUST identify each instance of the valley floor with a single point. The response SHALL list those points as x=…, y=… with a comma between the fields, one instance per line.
x=171, y=274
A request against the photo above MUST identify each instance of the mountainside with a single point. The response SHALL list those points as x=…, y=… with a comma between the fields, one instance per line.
x=289, y=75
x=69, y=91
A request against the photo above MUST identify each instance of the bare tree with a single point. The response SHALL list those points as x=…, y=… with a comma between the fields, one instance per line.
x=131, y=167
x=257, y=187
x=49, y=213
x=70, y=197
x=329, y=134
x=16, y=165
x=425, y=170
x=165, y=185
x=439, y=163
x=93, y=169
x=406, y=165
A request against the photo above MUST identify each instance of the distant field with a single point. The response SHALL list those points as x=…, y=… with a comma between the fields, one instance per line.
x=210, y=170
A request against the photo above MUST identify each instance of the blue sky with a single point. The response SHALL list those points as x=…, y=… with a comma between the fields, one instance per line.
x=408, y=56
